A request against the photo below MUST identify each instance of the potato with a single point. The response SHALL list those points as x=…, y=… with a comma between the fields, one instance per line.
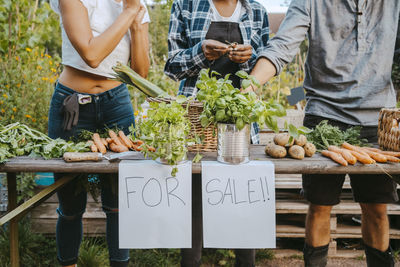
x=301, y=140
x=296, y=152
x=282, y=139
x=309, y=149
x=275, y=151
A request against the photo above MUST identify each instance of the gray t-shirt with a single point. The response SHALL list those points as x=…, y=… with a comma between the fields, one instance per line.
x=350, y=56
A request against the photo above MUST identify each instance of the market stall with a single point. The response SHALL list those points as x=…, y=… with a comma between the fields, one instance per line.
x=316, y=164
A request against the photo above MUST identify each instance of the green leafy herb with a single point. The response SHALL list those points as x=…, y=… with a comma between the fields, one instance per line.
x=224, y=103
x=17, y=139
x=325, y=135
x=166, y=128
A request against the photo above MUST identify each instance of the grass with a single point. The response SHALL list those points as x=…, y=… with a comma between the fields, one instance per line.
x=296, y=256
x=93, y=252
x=35, y=250
x=154, y=257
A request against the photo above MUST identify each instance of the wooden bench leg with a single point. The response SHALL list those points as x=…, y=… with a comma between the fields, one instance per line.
x=12, y=204
x=14, y=212
x=332, y=244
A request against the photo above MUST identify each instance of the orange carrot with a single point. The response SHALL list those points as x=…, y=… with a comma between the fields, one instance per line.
x=109, y=140
x=103, y=140
x=334, y=156
x=97, y=140
x=354, y=148
x=373, y=149
x=125, y=140
x=345, y=154
x=390, y=153
x=138, y=142
x=115, y=138
x=386, y=153
x=93, y=147
x=375, y=155
x=363, y=158
x=392, y=159
x=151, y=149
x=137, y=148
x=118, y=148
x=131, y=143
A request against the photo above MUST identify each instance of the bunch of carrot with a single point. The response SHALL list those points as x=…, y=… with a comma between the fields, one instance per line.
x=115, y=143
x=349, y=154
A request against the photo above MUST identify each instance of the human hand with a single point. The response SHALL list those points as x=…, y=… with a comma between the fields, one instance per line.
x=240, y=53
x=213, y=49
x=133, y=5
x=137, y=22
x=248, y=89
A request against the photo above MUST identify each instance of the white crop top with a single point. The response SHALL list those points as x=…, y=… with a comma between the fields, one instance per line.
x=235, y=17
x=102, y=14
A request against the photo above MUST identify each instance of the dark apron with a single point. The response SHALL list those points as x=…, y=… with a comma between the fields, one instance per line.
x=224, y=32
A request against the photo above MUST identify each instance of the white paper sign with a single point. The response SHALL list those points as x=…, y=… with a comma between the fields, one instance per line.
x=155, y=209
x=238, y=205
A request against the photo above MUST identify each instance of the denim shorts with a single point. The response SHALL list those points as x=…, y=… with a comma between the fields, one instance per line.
x=325, y=189
x=109, y=109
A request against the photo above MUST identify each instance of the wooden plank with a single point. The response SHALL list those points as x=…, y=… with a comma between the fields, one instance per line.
x=294, y=181
x=94, y=210
x=91, y=226
x=36, y=199
x=48, y=211
x=340, y=253
x=314, y=165
x=12, y=204
x=54, y=199
x=333, y=223
x=332, y=248
x=342, y=231
x=297, y=207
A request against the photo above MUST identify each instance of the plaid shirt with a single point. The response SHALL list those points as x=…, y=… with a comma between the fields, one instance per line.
x=189, y=23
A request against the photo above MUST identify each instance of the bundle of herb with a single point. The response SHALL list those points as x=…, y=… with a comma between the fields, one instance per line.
x=224, y=103
x=166, y=128
x=324, y=135
x=17, y=139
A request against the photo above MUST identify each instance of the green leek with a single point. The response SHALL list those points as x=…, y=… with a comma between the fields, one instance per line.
x=126, y=75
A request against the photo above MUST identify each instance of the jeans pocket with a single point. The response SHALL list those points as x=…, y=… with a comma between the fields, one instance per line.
x=58, y=98
x=123, y=98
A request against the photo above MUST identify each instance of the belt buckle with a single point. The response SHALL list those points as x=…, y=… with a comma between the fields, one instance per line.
x=84, y=99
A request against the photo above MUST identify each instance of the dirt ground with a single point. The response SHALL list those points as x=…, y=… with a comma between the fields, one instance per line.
x=333, y=262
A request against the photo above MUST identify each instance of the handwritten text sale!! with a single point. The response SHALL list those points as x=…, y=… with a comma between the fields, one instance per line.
x=238, y=205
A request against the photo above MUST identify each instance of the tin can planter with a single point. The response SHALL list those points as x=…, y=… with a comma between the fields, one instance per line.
x=233, y=144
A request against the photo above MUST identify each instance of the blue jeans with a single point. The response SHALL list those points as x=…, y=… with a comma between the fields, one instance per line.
x=107, y=110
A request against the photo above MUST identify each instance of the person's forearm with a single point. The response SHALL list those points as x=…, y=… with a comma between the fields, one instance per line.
x=140, y=61
x=264, y=70
x=101, y=46
x=92, y=49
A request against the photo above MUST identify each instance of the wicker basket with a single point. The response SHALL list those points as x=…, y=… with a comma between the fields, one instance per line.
x=209, y=133
x=388, y=129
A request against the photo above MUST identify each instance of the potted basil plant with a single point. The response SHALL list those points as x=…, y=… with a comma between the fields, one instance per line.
x=233, y=112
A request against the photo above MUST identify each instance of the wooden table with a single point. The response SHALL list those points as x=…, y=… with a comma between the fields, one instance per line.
x=314, y=165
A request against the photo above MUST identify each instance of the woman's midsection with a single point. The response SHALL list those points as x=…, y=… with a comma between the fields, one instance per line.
x=84, y=82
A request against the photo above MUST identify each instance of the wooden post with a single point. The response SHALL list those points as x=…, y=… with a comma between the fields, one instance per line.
x=12, y=204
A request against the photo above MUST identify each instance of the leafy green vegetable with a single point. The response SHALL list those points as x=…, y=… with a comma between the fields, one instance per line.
x=166, y=128
x=325, y=135
x=224, y=103
x=17, y=139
